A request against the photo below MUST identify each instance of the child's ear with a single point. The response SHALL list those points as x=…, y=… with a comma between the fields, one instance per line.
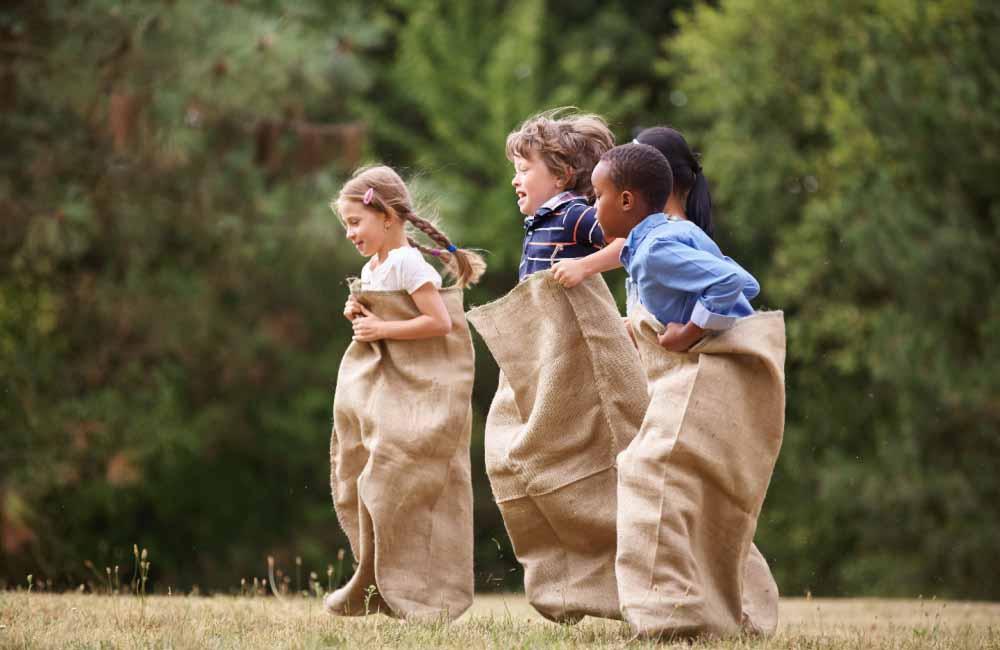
x=389, y=214
x=628, y=200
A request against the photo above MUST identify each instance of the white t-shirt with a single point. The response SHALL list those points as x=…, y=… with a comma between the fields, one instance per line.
x=403, y=269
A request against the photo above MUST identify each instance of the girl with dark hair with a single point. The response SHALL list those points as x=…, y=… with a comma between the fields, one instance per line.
x=688, y=200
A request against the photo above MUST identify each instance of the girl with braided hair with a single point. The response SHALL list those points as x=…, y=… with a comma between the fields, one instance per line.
x=375, y=206
x=400, y=471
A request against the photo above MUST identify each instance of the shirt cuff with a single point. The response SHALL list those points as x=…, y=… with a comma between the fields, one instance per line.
x=708, y=320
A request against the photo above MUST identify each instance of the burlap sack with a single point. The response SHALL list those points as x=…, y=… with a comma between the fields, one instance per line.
x=399, y=467
x=692, y=483
x=571, y=396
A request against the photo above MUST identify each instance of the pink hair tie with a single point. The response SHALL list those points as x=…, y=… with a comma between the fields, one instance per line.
x=368, y=196
x=436, y=252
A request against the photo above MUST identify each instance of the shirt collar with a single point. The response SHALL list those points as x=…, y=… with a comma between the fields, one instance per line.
x=558, y=200
x=639, y=233
x=552, y=205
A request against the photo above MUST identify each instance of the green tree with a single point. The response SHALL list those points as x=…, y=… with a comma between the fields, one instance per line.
x=463, y=75
x=169, y=271
x=854, y=152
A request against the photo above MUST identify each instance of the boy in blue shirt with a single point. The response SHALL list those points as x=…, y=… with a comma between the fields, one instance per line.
x=692, y=482
x=675, y=270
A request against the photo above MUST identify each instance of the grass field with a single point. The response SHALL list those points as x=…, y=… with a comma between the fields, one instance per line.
x=495, y=621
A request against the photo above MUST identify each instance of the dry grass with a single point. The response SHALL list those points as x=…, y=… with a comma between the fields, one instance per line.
x=89, y=621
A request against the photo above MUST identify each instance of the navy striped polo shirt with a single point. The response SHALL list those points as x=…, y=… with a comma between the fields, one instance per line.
x=565, y=227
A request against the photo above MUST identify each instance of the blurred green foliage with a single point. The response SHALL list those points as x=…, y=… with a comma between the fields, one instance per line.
x=171, y=279
x=856, y=148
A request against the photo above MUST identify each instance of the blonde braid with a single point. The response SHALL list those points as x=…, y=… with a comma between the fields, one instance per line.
x=426, y=250
x=465, y=265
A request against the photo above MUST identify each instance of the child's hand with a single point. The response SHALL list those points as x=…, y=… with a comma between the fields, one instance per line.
x=368, y=327
x=628, y=328
x=680, y=338
x=352, y=308
x=569, y=273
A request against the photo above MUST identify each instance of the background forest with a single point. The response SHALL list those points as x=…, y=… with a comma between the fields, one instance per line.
x=172, y=281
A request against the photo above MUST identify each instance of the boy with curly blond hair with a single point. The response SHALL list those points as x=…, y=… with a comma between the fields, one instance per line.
x=552, y=434
x=553, y=155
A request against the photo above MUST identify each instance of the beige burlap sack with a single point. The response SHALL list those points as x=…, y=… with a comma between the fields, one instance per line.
x=571, y=396
x=692, y=483
x=399, y=467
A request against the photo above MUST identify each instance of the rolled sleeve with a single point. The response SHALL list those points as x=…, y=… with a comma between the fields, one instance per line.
x=717, y=300
x=709, y=320
x=716, y=283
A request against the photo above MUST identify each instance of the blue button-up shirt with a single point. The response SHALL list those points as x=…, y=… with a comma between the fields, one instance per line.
x=565, y=227
x=680, y=275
